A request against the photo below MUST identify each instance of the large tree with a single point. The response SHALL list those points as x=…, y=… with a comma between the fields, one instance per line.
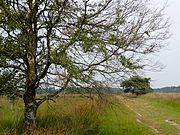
x=74, y=43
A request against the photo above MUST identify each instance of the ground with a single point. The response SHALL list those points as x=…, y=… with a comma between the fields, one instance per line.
x=151, y=114
x=159, y=112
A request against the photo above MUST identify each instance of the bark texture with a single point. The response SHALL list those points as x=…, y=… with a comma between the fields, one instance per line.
x=30, y=112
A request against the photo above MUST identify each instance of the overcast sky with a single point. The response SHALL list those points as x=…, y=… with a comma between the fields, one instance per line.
x=170, y=57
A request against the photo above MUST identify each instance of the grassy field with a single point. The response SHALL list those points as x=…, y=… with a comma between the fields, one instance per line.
x=151, y=114
x=159, y=112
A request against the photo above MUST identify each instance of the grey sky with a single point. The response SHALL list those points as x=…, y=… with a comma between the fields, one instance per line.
x=170, y=56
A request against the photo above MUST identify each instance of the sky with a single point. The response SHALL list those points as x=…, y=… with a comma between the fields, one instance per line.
x=169, y=56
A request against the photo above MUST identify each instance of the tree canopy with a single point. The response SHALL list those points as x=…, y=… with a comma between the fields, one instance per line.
x=7, y=84
x=137, y=85
x=83, y=43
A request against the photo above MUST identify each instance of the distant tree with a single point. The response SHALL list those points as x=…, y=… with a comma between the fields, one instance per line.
x=137, y=85
x=75, y=43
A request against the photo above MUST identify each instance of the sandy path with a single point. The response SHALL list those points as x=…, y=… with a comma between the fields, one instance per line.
x=143, y=110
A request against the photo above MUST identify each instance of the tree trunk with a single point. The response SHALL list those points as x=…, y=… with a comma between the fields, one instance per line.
x=30, y=111
x=30, y=94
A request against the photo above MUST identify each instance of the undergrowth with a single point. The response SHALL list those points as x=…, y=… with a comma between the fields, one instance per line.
x=70, y=116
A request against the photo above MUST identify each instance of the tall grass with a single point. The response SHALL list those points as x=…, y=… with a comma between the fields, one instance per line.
x=169, y=101
x=73, y=115
x=10, y=116
x=76, y=116
x=70, y=116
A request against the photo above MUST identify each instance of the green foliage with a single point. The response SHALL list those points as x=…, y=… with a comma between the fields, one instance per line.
x=80, y=39
x=8, y=84
x=137, y=85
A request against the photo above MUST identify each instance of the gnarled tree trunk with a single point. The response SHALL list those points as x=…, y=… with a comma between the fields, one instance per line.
x=30, y=111
x=30, y=93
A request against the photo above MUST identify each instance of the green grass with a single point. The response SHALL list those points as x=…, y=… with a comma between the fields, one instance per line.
x=119, y=120
x=10, y=116
x=75, y=115
x=169, y=106
x=155, y=110
x=70, y=116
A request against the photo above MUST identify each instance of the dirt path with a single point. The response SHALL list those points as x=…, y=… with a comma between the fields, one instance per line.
x=173, y=123
x=151, y=116
x=139, y=118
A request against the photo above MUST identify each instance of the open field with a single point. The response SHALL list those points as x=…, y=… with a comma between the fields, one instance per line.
x=151, y=114
x=159, y=112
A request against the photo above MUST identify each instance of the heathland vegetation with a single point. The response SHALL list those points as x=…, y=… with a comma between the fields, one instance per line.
x=150, y=114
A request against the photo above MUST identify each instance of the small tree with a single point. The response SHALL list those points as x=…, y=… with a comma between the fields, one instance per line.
x=137, y=85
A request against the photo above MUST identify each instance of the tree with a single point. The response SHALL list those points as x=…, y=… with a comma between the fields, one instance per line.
x=137, y=85
x=8, y=84
x=62, y=43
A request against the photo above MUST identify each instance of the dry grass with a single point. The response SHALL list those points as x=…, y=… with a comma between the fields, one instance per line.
x=163, y=95
x=70, y=115
x=75, y=115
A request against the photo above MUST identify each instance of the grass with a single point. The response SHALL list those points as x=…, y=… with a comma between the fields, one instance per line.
x=156, y=109
x=168, y=104
x=119, y=120
x=10, y=116
x=169, y=101
x=70, y=116
x=74, y=115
